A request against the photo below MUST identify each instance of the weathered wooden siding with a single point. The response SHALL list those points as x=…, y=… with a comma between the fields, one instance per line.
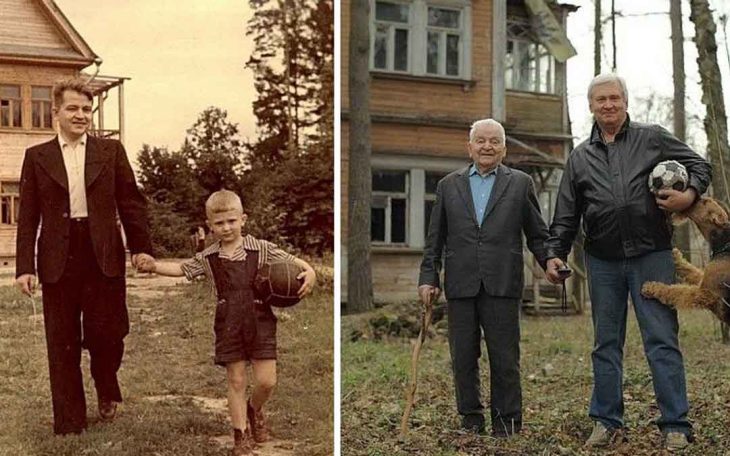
x=25, y=24
x=535, y=113
x=14, y=141
x=395, y=275
x=424, y=97
x=7, y=244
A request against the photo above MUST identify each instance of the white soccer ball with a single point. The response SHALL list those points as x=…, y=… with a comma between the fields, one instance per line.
x=668, y=174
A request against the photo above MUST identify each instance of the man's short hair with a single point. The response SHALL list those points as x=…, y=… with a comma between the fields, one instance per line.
x=223, y=201
x=75, y=84
x=479, y=123
x=605, y=79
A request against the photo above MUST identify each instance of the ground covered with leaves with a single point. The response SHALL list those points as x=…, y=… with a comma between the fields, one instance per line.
x=556, y=381
x=174, y=397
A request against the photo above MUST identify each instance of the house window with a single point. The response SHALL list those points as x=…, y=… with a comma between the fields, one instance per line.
x=432, y=180
x=443, y=35
x=41, y=107
x=10, y=106
x=529, y=66
x=9, y=198
x=389, y=209
x=390, y=44
x=421, y=38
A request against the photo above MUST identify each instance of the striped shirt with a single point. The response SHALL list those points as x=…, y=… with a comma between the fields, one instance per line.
x=199, y=265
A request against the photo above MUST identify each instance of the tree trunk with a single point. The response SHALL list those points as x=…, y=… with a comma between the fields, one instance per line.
x=359, y=274
x=613, y=33
x=681, y=232
x=715, y=119
x=597, y=39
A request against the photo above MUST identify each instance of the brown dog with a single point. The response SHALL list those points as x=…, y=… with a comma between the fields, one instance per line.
x=708, y=289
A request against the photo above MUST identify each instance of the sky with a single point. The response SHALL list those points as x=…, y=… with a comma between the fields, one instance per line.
x=182, y=56
x=644, y=56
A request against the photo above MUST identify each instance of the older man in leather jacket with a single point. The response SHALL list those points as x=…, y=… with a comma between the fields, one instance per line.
x=628, y=242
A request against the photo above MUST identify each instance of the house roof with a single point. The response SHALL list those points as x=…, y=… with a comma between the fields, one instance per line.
x=523, y=154
x=101, y=83
x=58, y=43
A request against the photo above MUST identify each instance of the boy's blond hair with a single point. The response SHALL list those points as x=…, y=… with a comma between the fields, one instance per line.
x=223, y=201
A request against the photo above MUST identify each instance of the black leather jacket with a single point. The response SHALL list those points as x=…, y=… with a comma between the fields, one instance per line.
x=607, y=185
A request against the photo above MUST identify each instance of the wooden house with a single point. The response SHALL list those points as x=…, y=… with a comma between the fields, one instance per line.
x=38, y=46
x=436, y=66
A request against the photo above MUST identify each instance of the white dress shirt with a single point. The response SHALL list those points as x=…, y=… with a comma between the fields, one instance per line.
x=74, y=157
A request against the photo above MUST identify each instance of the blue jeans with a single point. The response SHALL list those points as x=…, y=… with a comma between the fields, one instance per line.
x=610, y=282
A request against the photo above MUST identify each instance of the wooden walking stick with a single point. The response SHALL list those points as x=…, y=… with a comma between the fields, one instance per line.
x=426, y=312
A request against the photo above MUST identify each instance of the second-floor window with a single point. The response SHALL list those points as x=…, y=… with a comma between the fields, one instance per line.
x=529, y=66
x=421, y=37
x=443, y=41
x=41, y=107
x=10, y=106
x=390, y=45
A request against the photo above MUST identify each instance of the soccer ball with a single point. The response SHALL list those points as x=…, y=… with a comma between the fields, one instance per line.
x=668, y=174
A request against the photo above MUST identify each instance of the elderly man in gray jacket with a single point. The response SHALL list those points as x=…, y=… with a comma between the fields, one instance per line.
x=476, y=224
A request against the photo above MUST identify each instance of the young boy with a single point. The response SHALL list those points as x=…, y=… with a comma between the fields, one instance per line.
x=245, y=330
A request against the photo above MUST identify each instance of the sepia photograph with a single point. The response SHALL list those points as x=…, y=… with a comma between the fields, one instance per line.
x=535, y=227
x=167, y=232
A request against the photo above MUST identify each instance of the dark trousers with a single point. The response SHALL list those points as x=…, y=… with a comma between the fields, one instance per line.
x=498, y=317
x=84, y=309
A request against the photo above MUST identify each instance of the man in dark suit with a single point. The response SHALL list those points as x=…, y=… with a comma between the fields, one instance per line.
x=477, y=223
x=74, y=187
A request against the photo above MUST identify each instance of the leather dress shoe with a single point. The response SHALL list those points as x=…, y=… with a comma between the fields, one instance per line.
x=107, y=410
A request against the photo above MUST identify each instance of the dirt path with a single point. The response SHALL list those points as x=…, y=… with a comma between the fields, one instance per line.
x=152, y=285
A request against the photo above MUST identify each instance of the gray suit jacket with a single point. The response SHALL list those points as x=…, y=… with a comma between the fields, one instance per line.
x=491, y=254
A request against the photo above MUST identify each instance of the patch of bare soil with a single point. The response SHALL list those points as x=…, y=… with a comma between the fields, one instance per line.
x=151, y=286
x=216, y=406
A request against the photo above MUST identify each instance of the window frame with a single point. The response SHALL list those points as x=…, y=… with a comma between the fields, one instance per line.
x=44, y=104
x=519, y=34
x=14, y=202
x=389, y=197
x=418, y=39
x=444, y=32
x=390, y=43
x=12, y=103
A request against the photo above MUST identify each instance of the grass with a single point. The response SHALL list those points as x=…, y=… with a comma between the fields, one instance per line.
x=556, y=381
x=168, y=352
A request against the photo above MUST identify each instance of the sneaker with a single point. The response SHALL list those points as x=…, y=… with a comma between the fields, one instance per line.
x=257, y=424
x=242, y=443
x=675, y=441
x=603, y=437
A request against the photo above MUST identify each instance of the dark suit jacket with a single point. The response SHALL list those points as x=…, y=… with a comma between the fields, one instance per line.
x=44, y=198
x=491, y=254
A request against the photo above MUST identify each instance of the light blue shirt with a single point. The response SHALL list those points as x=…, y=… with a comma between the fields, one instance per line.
x=481, y=188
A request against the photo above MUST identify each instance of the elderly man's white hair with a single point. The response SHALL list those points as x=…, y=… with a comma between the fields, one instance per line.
x=605, y=79
x=485, y=122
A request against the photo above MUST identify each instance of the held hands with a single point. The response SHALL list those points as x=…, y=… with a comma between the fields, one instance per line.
x=310, y=279
x=144, y=262
x=26, y=284
x=428, y=294
x=551, y=271
x=675, y=201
